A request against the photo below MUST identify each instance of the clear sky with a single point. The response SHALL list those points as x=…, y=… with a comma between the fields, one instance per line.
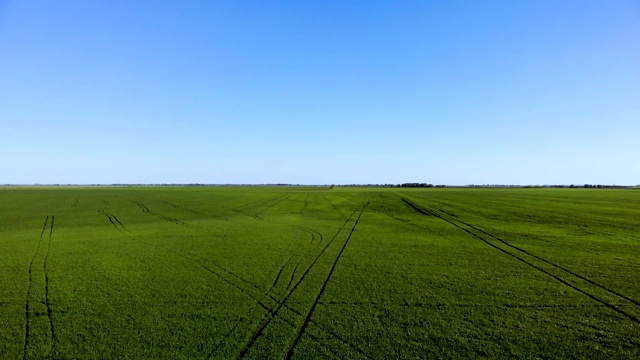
x=320, y=92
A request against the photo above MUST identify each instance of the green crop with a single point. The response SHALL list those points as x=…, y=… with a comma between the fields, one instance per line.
x=293, y=272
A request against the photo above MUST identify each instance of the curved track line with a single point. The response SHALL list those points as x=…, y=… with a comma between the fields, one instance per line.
x=324, y=286
x=46, y=301
x=266, y=320
x=114, y=221
x=262, y=304
x=159, y=216
x=272, y=311
x=279, y=273
x=301, y=257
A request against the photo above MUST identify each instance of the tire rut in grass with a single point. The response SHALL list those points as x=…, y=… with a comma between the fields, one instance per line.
x=113, y=220
x=260, y=201
x=552, y=264
x=295, y=269
x=558, y=278
x=560, y=267
x=45, y=268
x=241, y=212
x=27, y=313
x=259, y=297
x=346, y=198
x=322, y=289
x=256, y=294
x=448, y=213
x=275, y=281
x=266, y=320
x=291, y=252
x=334, y=206
x=160, y=216
x=195, y=212
x=278, y=201
x=293, y=274
x=248, y=289
x=271, y=202
x=43, y=300
x=301, y=254
x=450, y=305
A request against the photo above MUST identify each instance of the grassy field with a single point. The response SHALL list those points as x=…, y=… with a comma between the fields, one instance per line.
x=257, y=272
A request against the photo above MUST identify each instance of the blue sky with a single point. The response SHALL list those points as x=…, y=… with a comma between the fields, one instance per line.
x=321, y=92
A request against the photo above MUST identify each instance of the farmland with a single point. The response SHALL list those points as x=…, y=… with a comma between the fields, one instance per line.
x=293, y=272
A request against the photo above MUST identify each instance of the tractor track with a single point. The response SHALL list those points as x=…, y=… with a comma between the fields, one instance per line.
x=552, y=264
x=45, y=268
x=291, y=255
x=275, y=281
x=27, y=313
x=324, y=286
x=346, y=198
x=45, y=300
x=457, y=223
x=310, y=232
x=256, y=215
x=333, y=205
x=160, y=216
x=537, y=257
x=241, y=212
x=448, y=213
x=195, y=212
x=297, y=252
x=266, y=320
x=259, y=302
x=278, y=201
x=191, y=257
x=44, y=227
x=271, y=198
x=272, y=311
x=293, y=274
x=114, y=221
x=302, y=256
x=448, y=305
x=298, y=313
x=292, y=252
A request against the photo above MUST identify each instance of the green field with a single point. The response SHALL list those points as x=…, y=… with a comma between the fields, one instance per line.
x=259, y=272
